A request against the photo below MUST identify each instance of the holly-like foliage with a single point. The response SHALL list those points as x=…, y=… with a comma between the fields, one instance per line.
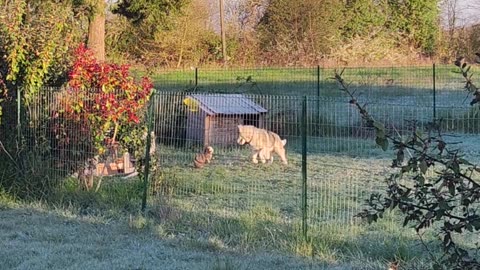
x=105, y=102
x=433, y=186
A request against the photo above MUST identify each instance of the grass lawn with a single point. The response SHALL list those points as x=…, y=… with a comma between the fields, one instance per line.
x=231, y=215
x=41, y=237
x=34, y=237
x=256, y=207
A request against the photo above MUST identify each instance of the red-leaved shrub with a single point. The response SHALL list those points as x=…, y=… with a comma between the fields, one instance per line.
x=102, y=106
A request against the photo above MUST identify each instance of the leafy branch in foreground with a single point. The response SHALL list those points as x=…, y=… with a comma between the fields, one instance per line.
x=434, y=187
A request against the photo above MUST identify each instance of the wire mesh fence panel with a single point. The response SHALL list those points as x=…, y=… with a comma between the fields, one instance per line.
x=271, y=81
x=344, y=164
x=392, y=85
x=237, y=189
x=232, y=184
x=449, y=86
x=66, y=134
x=460, y=119
x=395, y=84
x=56, y=140
x=405, y=85
x=235, y=183
x=176, y=80
x=337, y=192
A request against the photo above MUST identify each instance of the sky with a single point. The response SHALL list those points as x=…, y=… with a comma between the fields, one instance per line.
x=468, y=12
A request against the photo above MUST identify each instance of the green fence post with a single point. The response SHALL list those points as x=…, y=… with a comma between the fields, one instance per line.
x=318, y=94
x=196, y=77
x=147, y=152
x=19, y=139
x=434, y=95
x=304, y=168
x=19, y=119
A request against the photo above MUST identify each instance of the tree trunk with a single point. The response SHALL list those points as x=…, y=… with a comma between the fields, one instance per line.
x=96, y=31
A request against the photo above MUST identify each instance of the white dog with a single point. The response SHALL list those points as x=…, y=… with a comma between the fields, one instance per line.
x=263, y=143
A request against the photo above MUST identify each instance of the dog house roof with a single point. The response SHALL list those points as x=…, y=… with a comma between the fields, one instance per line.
x=214, y=104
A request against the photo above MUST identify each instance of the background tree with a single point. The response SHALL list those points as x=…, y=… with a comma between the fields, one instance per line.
x=296, y=30
x=192, y=40
x=364, y=17
x=35, y=38
x=141, y=31
x=243, y=18
x=96, y=29
x=415, y=21
x=460, y=29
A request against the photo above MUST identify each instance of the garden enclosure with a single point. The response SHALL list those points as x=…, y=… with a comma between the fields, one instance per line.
x=334, y=163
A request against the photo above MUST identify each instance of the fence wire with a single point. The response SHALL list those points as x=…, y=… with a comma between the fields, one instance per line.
x=344, y=166
x=202, y=108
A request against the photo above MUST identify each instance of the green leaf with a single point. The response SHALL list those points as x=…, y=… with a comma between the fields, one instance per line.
x=447, y=240
x=476, y=223
x=378, y=126
x=421, y=180
x=382, y=142
x=455, y=167
x=407, y=168
x=443, y=205
x=405, y=221
x=381, y=134
x=423, y=166
x=400, y=156
x=451, y=188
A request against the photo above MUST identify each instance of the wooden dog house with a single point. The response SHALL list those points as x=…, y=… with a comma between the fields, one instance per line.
x=212, y=119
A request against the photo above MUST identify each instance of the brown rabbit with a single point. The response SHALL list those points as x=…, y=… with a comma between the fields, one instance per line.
x=203, y=158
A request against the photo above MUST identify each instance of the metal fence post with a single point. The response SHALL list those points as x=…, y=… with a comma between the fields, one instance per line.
x=434, y=95
x=318, y=94
x=20, y=163
x=19, y=120
x=318, y=81
x=147, y=152
x=196, y=77
x=304, y=168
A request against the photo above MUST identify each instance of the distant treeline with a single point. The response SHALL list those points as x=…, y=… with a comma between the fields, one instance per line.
x=285, y=32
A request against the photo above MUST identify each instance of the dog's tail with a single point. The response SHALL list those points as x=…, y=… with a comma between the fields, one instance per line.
x=198, y=164
x=199, y=161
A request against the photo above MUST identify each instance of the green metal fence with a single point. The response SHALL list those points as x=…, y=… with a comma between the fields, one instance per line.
x=333, y=161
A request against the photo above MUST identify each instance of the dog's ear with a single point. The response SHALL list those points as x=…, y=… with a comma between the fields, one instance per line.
x=284, y=142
